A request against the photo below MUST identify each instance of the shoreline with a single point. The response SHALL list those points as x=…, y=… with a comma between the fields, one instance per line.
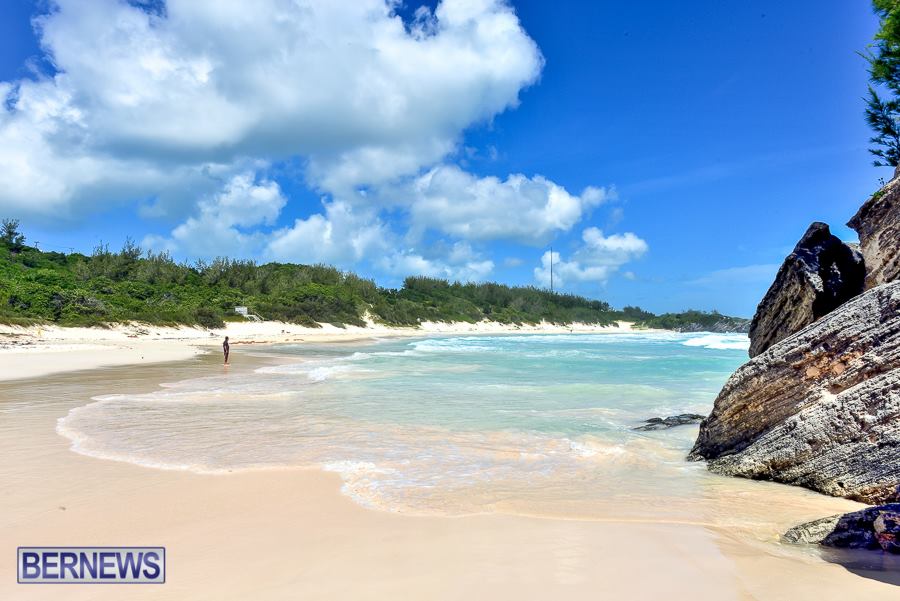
x=271, y=534
x=41, y=350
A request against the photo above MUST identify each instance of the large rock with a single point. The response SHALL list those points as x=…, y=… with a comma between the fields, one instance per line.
x=821, y=274
x=878, y=224
x=871, y=528
x=819, y=409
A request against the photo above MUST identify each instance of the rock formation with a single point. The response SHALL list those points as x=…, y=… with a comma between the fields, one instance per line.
x=821, y=274
x=876, y=528
x=660, y=423
x=878, y=224
x=814, y=532
x=820, y=408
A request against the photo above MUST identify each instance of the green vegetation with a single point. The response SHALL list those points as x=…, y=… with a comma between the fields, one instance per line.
x=883, y=116
x=131, y=285
x=696, y=321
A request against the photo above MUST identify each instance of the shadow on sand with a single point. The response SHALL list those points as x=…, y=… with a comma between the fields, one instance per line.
x=876, y=565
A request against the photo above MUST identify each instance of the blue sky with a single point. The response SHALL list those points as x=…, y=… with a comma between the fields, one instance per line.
x=671, y=153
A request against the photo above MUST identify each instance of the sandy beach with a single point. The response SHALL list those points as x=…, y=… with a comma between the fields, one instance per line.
x=32, y=351
x=290, y=533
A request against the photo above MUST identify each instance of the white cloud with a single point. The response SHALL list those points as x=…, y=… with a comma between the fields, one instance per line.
x=342, y=235
x=216, y=229
x=595, y=261
x=145, y=105
x=459, y=263
x=530, y=210
x=182, y=113
x=346, y=234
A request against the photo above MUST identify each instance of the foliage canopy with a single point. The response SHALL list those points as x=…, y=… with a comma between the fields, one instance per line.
x=883, y=114
x=132, y=285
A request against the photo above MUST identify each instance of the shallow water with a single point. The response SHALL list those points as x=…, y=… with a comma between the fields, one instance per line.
x=532, y=424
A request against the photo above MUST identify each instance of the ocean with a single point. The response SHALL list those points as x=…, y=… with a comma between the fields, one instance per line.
x=539, y=425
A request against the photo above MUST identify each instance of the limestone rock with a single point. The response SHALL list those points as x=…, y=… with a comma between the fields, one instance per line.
x=878, y=224
x=819, y=409
x=821, y=274
x=811, y=533
x=660, y=423
x=871, y=528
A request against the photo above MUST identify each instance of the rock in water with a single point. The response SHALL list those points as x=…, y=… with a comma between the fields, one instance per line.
x=821, y=274
x=878, y=224
x=819, y=409
x=870, y=528
x=659, y=423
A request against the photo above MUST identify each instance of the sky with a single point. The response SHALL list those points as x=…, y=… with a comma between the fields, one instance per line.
x=670, y=153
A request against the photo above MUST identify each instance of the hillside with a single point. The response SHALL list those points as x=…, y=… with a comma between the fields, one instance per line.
x=130, y=285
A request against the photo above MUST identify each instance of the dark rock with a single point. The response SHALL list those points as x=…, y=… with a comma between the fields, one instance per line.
x=659, y=423
x=855, y=530
x=878, y=224
x=821, y=274
x=819, y=409
x=873, y=528
x=887, y=531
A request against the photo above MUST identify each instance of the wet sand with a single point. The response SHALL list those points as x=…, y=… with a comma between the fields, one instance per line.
x=291, y=534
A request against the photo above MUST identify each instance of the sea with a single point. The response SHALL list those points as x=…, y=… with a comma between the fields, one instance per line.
x=539, y=425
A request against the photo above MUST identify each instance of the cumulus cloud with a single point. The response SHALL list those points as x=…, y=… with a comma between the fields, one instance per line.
x=341, y=235
x=183, y=110
x=595, y=261
x=461, y=263
x=145, y=103
x=530, y=210
x=218, y=227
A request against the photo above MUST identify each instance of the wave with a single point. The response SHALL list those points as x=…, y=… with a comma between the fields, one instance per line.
x=414, y=469
x=314, y=371
x=720, y=342
x=453, y=345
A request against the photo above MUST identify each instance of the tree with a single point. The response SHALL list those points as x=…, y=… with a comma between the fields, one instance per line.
x=883, y=116
x=884, y=62
x=10, y=236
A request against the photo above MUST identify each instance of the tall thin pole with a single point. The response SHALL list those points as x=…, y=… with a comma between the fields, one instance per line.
x=551, y=269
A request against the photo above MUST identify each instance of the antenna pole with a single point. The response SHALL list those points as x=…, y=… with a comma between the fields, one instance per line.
x=551, y=269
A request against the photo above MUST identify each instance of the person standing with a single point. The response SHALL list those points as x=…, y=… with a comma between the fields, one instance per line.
x=226, y=348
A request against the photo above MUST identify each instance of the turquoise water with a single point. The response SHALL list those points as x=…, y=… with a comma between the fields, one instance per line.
x=539, y=424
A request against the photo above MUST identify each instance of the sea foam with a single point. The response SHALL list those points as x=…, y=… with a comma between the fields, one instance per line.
x=720, y=342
